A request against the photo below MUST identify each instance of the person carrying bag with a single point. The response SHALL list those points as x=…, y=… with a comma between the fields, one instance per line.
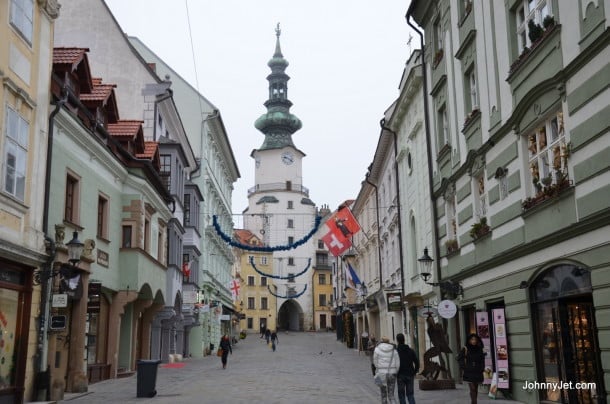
x=387, y=362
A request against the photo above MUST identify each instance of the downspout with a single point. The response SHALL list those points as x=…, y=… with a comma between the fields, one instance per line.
x=428, y=147
x=402, y=266
x=366, y=178
x=43, y=372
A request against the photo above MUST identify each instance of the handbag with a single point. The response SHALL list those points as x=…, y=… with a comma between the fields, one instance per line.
x=219, y=352
x=381, y=380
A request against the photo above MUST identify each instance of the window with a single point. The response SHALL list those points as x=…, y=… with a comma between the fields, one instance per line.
x=322, y=279
x=264, y=305
x=473, y=96
x=166, y=170
x=290, y=260
x=127, y=234
x=480, y=202
x=290, y=205
x=15, y=154
x=71, y=206
x=102, y=217
x=251, y=258
x=320, y=245
x=187, y=209
x=290, y=241
x=548, y=155
x=291, y=223
x=291, y=277
x=502, y=178
x=160, y=246
x=443, y=134
x=529, y=10
x=250, y=322
x=251, y=305
x=322, y=300
x=250, y=280
x=264, y=260
x=322, y=259
x=160, y=119
x=288, y=185
x=450, y=213
x=438, y=36
x=22, y=17
x=263, y=281
x=146, y=234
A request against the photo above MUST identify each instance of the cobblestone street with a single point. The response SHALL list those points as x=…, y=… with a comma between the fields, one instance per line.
x=306, y=368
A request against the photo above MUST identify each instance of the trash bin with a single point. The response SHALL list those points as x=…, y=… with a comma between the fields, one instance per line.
x=147, y=377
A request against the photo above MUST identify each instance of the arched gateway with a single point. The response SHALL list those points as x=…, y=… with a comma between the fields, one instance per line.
x=290, y=316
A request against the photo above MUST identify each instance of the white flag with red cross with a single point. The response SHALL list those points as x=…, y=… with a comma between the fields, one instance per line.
x=234, y=287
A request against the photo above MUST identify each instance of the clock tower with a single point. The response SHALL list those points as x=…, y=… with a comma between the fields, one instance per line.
x=279, y=209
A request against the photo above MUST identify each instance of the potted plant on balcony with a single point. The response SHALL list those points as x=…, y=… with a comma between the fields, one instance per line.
x=479, y=229
x=535, y=31
x=451, y=245
x=548, y=22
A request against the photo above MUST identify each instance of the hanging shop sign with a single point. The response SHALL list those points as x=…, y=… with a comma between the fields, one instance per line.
x=483, y=331
x=102, y=258
x=426, y=311
x=394, y=300
x=501, y=345
x=447, y=309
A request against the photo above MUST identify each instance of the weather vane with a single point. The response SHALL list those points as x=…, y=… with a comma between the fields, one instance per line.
x=278, y=31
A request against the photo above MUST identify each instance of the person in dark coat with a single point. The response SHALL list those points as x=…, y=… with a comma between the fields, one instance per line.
x=267, y=336
x=472, y=362
x=274, y=340
x=225, y=345
x=409, y=366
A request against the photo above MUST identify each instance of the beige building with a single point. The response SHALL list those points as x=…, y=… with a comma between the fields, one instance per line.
x=25, y=69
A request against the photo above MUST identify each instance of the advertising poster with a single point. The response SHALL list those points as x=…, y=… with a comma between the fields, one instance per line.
x=483, y=331
x=501, y=344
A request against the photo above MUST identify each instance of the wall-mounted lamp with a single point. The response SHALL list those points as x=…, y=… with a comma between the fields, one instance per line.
x=75, y=250
x=425, y=271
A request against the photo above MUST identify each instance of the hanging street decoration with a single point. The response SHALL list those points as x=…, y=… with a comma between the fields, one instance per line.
x=277, y=276
x=291, y=296
x=248, y=247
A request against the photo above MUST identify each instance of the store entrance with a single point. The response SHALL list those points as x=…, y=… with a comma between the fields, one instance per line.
x=566, y=334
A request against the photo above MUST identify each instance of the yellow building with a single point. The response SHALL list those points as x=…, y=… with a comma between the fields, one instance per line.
x=26, y=29
x=322, y=293
x=256, y=302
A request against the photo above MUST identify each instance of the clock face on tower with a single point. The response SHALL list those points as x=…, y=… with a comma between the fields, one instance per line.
x=287, y=158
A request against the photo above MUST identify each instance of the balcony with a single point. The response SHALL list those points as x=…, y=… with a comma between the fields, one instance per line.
x=279, y=186
x=138, y=268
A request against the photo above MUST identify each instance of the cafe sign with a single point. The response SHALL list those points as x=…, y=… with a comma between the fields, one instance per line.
x=394, y=300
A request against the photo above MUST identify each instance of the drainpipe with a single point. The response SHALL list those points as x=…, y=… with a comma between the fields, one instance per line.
x=428, y=147
x=366, y=178
x=43, y=372
x=402, y=266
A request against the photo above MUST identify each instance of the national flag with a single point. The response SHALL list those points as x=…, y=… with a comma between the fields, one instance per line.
x=336, y=242
x=234, y=286
x=186, y=268
x=344, y=221
x=351, y=279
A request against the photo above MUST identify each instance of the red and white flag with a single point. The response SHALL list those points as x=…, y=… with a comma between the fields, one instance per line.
x=234, y=287
x=342, y=225
x=336, y=242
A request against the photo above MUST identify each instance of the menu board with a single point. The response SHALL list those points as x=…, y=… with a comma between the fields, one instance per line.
x=501, y=344
x=483, y=331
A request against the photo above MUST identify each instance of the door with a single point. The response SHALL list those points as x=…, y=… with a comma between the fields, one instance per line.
x=322, y=321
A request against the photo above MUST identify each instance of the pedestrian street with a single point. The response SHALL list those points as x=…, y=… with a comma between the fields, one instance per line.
x=306, y=368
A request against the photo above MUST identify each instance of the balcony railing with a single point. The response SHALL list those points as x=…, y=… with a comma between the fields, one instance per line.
x=279, y=186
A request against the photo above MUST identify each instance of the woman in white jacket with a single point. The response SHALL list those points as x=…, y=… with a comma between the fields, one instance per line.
x=387, y=362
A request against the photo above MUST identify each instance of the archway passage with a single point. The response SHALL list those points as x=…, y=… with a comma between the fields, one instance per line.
x=290, y=316
x=567, y=347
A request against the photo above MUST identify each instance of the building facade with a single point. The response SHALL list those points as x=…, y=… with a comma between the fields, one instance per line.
x=518, y=136
x=25, y=71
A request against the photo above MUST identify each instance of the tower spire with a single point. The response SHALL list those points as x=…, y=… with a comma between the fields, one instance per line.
x=278, y=124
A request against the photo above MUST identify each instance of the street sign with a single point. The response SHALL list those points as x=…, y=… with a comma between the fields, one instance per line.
x=60, y=300
x=58, y=323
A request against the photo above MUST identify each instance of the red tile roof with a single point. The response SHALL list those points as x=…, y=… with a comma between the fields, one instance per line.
x=100, y=92
x=246, y=237
x=68, y=55
x=125, y=128
x=150, y=148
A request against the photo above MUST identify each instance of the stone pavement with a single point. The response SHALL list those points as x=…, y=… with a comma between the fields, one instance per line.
x=306, y=368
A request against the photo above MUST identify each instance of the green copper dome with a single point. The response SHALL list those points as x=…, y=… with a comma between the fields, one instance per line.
x=278, y=124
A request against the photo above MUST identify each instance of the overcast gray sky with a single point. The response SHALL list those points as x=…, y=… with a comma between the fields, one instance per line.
x=346, y=59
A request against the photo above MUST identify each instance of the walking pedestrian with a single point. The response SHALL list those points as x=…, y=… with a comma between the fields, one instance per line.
x=263, y=329
x=409, y=366
x=267, y=335
x=274, y=340
x=225, y=345
x=387, y=362
x=472, y=361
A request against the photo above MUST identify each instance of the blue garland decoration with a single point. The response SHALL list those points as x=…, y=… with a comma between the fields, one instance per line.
x=277, y=276
x=248, y=247
x=287, y=297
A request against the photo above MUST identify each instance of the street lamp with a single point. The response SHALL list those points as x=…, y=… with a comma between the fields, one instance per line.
x=425, y=271
x=75, y=250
